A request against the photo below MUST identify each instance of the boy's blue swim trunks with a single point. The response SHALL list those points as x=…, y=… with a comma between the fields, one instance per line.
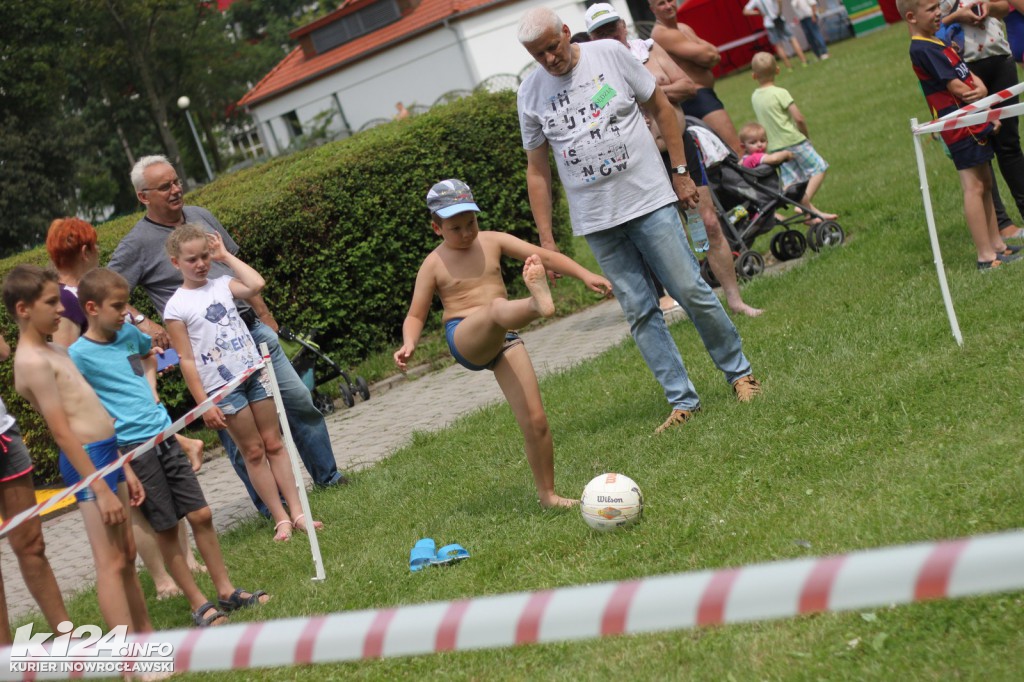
x=102, y=453
x=511, y=339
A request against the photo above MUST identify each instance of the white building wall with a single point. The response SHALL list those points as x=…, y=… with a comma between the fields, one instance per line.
x=491, y=34
x=418, y=71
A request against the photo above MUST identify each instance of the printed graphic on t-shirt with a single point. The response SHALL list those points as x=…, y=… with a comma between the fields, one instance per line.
x=588, y=107
x=233, y=351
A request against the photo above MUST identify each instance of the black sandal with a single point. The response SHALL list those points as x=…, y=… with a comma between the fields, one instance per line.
x=206, y=621
x=237, y=601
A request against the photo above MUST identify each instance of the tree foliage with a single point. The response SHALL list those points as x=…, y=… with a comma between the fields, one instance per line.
x=35, y=179
x=86, y=88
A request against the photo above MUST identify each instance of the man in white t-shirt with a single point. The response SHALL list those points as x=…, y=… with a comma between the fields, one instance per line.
x=584, y=104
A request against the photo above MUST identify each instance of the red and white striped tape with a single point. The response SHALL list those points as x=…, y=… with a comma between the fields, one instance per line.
x=10, y=524
x=881, y=577
x=985, y=102
x=984, y=116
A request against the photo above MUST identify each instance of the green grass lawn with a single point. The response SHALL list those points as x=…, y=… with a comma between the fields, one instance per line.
x=875, y=429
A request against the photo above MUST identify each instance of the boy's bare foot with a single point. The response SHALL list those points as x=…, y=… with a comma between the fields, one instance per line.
x=193, y=449
x=742, y=308
x=167, y=591
x=557, y=501
x=667, y=303
x=535, y=278
x=194, y=565
x=825, y=216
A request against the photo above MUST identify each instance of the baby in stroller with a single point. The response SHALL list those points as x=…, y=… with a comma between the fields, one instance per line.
x=748, y=201
x=755, y=141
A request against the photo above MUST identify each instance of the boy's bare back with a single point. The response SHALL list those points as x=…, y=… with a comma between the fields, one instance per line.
x=46, y=377
x=466, y=279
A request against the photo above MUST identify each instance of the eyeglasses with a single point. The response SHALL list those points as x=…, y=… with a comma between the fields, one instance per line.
x=164, y=188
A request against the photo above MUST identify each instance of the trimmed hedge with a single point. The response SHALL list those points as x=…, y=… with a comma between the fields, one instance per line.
x=339, y=231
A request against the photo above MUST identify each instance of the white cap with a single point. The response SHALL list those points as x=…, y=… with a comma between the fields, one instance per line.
x=600, y=14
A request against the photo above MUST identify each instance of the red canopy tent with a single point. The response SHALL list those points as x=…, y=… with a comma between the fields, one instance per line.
x=722, y=23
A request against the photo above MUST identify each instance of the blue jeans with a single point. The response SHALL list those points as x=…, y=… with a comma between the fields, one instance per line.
x=657, y=241
x=305, y=421
x=813, y=34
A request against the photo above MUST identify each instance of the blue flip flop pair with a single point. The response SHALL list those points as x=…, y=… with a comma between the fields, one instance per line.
x=425, y=553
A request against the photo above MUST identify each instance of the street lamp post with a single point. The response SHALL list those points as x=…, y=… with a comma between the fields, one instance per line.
x=183, y=103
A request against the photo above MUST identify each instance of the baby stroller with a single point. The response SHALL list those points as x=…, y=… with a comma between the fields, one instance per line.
x=746, y=201
x=316, y=369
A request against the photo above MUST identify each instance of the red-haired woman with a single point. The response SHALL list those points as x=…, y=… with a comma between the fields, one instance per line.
x=71, y=243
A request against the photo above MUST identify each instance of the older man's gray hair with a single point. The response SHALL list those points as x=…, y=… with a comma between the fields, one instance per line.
x=536, y=23
x=138, y=181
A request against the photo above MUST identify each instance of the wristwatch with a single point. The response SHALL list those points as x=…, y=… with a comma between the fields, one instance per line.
x=680, y=169
x=138, y=319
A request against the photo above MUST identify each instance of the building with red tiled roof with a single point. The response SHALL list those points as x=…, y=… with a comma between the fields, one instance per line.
x=353, y=65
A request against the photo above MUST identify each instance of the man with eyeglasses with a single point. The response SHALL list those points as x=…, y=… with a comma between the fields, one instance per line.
x=140, y=258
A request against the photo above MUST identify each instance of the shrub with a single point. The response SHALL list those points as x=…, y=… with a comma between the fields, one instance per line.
x=339, y=231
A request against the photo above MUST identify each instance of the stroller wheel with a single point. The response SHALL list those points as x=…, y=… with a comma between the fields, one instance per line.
x=749, y=264
x=323, y=403
x=812, y=238
x=346, y=395
x=830, y=234
x=708, y=275
x=788, y=245
x=362, y=388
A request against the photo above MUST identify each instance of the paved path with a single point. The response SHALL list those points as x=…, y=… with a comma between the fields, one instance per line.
x=362, y=435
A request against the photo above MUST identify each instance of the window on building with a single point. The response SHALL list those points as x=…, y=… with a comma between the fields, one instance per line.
x=356, y=24
x=291, y=119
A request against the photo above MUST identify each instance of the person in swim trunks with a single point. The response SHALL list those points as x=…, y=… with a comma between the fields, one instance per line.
x=465, y=272
x=47, y=378
x=698, y=58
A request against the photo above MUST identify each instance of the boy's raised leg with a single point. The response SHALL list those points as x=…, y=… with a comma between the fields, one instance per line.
x=481, y=335
x=16, y=496
x=518, y=381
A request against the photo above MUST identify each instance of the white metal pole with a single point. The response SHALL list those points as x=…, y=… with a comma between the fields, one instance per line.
x=202, y=153
x=293, y=457
x=926, y=197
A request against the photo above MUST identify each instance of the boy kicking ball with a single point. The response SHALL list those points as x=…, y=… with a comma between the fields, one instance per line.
x=465, y=272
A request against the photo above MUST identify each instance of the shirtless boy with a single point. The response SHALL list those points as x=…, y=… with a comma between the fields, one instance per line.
x=46, y=378
x=465, y=271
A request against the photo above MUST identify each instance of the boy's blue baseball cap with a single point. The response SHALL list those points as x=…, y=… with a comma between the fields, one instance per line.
x=450, y=197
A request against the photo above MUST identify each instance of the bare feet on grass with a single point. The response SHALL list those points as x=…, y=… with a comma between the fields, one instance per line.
x=535, y=278
x=557, y=502
x=741, y=308
x=167, y=591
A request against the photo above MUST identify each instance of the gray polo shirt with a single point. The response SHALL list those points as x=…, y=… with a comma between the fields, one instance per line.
x=141, y=259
